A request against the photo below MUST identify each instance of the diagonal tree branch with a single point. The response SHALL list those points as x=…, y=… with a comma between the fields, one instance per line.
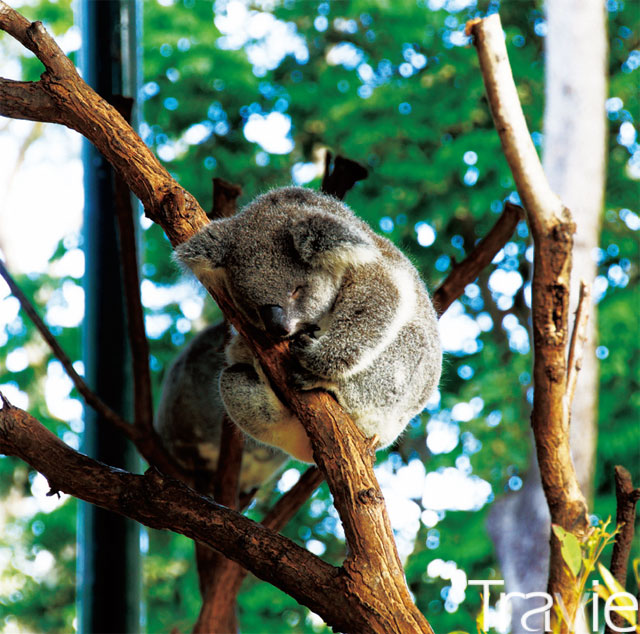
x=483, y=253
x=85, y=391
x=164, y=503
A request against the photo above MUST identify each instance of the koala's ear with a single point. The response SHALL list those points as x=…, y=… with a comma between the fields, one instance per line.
x=205, y=252
x=323, y=239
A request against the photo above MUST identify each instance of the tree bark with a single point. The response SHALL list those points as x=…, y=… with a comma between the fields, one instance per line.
x=552, y=229
x=574, y=163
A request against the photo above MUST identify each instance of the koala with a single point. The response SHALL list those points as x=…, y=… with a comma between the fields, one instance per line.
x=301, y=266
x=189, y=416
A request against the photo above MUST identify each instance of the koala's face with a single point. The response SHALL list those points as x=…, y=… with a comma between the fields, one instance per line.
x=282, y=258
x=278, y=292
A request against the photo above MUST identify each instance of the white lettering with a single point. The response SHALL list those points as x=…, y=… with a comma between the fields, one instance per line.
x=608, y=608
x=544, y=608
x=485, y=583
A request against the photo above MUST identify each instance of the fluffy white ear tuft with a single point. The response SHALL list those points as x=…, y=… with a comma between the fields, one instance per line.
x=322, y=239
x=205, y=252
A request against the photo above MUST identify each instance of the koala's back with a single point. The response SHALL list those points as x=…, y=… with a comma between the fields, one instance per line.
x=190, y=413
x=393, y=380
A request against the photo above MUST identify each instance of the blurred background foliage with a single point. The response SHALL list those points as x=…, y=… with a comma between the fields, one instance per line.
x=255, y=93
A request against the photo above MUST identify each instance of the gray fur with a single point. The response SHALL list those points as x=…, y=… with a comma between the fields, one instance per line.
x=301, y=265
x=189, y=417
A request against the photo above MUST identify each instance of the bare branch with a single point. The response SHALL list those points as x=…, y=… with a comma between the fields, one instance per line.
x=225, y=195
x=552, y=229
x=627, y=497
x=164, y=503
x=468, y=270
x=536, y=195
x=578, y=340
x=291, y=502
x=344, y=175
x=67, y=99
x=142, y=398
x=86, y=392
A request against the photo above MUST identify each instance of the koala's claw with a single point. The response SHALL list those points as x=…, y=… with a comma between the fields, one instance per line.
x=302, y=342
x=303, y=380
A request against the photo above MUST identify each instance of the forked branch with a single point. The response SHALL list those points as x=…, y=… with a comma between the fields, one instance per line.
x=552, y=229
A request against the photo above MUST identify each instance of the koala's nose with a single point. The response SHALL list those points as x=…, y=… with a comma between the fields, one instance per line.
x=275, y=320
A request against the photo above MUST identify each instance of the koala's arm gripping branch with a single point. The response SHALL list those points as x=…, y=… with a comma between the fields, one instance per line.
x=62, y=96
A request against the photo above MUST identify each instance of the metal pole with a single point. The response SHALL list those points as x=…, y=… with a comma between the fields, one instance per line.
x=108, y=545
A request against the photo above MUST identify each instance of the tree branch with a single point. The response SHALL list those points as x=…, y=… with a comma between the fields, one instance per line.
x=84, y=390
x=627, y=497
x=373, y=576
x=552, y=229
x=534, y=190
x=164, y=503
x=225, y=195
x=578, y=340
x=289, y=503
x=142, y=397
x=468, y=270
x=70, y=101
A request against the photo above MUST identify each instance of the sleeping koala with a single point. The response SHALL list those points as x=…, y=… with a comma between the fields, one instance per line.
x=300, y=265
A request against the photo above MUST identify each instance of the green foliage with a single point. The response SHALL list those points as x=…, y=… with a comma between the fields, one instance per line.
x=423, y=129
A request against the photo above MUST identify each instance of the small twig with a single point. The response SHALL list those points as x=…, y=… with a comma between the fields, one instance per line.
x=143, y=405
x=626, y=497
x=467, y=271
x=225, y=195
x=146, y=441
x=626, y=500
x=344, y=175
x=289, y=504
x=89, y=396
x=578, y=340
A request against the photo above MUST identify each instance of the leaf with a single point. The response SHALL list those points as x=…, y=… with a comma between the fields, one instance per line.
x=621, y=598
x=570, y=548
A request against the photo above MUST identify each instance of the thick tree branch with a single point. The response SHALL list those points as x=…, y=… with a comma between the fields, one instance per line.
x=71, y=102
x=164, y=503
x=468, y=270
x=373, y=576
x=552, y=229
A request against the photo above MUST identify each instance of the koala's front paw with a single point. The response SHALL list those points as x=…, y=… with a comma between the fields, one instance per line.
x=308, y=353
x=302, y=379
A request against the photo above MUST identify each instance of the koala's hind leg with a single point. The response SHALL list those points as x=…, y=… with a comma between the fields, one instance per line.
x=253, y=406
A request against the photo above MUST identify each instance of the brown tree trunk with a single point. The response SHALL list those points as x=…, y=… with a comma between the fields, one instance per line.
x=574, y=162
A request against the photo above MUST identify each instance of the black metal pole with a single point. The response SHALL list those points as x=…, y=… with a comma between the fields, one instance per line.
x=108, y=544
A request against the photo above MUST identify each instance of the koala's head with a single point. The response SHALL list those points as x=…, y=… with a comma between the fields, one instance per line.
x=282, y=258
